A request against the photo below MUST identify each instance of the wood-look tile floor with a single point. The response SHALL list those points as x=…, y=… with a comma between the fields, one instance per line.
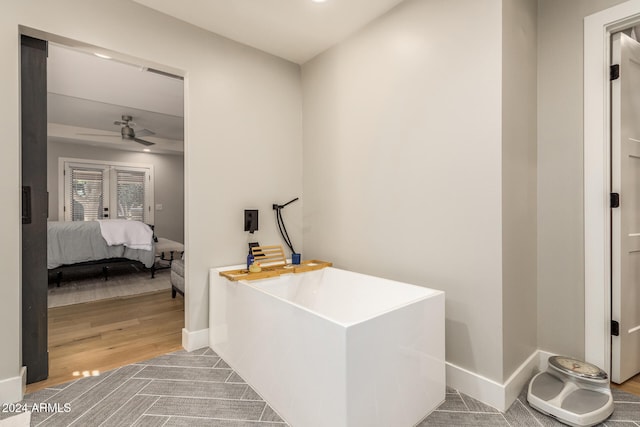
x=200, y=389
x=94, y=337
x=462, y=410
x=177, y=389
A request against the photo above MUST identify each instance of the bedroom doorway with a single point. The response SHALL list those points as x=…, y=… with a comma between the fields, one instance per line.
x=80, y=127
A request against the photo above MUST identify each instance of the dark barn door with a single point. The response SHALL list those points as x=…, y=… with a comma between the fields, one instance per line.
x=33, y=94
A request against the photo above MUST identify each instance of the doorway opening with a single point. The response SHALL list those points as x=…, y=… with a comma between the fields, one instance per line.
x=86, y=97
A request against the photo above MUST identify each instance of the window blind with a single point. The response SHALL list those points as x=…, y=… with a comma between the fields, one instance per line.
x=86, y=194
x=130, y=187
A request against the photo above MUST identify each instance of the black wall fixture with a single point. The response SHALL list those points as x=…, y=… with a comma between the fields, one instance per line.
x=280, y=221
x=250, y=220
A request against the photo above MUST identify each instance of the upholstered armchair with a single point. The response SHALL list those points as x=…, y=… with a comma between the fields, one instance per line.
x=177, y=277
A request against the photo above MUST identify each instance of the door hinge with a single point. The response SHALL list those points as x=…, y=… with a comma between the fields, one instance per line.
x=615, y=328
x=614, y=72
x=615, y=200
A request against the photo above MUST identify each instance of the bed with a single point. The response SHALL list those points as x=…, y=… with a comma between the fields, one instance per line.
x=81, y=243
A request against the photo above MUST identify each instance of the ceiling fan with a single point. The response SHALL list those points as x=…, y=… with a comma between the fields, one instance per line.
x=127, y=132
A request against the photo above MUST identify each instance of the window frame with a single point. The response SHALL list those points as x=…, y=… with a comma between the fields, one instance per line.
x=110, y=167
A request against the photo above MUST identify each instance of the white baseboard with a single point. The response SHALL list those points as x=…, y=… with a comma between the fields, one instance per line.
x=490, y=392
x=193, y=340
x=11, y=390
x=23, y=377
x=543, y=358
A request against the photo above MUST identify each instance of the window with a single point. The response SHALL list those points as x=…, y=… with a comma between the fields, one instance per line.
x=95, y=190
x=86, y=193
x=130, y=187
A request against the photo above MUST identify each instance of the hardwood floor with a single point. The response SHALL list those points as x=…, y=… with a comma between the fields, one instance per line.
x=90, y=338
x=630, y=386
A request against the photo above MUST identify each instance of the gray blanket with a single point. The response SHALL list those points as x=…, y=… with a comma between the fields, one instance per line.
x=72, y=242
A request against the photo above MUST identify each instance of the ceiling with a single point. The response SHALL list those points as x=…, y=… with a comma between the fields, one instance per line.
x=296, y=30
x=87, y=93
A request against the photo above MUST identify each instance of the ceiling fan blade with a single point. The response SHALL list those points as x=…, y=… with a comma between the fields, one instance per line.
x=143, y=142
x=144, y=132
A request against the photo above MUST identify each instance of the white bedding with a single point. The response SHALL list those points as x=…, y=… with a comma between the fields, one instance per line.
x=73, y=242
x=132, y=234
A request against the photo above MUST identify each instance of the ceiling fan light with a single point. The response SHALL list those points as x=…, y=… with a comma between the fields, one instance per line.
x=146, y=150
x=127, y=132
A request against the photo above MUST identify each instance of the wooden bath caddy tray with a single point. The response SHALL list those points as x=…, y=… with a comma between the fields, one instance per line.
x=310, y=264
x=273, y=265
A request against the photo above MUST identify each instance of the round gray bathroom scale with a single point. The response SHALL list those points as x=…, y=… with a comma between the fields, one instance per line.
x=572, y=391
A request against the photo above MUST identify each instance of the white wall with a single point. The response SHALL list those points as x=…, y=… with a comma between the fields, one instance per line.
x=168, y=181
x=402, y=162
x=519, y=192
x=243, y=133
x=560, y=173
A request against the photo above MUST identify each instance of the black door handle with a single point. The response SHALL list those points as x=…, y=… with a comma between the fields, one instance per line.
x=26, y=204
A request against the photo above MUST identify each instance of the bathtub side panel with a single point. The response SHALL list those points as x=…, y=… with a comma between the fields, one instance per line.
x=396, y=365
x=292, y=358
x=217, y=306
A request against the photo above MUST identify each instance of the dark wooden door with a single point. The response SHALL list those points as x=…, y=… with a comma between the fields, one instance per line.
x=35, y=355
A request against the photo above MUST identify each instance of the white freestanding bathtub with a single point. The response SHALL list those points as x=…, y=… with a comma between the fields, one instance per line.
x=332, y=347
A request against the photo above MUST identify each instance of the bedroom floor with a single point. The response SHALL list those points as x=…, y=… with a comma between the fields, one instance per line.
x=200, y=389
x=94, y=337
